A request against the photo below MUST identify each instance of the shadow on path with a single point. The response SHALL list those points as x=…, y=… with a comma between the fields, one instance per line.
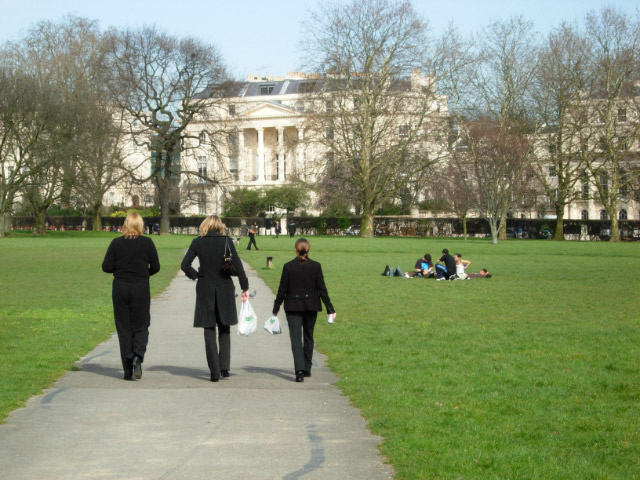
x=276, y=372
x=181, y=371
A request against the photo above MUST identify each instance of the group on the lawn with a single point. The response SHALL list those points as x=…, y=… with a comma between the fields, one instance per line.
x=132, y=258
x=447, y=267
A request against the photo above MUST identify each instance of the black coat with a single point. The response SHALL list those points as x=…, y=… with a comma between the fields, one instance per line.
x=301, y=288
x=213, y=289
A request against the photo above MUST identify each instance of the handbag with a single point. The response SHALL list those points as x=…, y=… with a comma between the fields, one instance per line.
x=228, y=268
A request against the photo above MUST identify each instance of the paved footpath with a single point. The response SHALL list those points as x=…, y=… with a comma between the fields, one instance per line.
x=176, y=424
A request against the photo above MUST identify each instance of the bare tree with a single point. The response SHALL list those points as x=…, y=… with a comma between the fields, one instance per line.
x=458, y=185
x=373, y=111
x=28, y=112
x=165, y=84
x=500, y=169
x=612, y=101
x=556, y=153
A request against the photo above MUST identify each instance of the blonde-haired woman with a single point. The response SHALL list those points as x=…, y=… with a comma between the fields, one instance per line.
x=301, y=288
x=215, y=292
x=132, y=258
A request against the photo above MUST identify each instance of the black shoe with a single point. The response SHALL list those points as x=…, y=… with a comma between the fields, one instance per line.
x=225, y=373
x=386, y=271
x=214, y=379
x=307, y=373
x=128, y=376
x=300, y=376
x=137, y=367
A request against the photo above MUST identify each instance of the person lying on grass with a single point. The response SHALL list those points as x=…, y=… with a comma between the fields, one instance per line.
x=483, y=274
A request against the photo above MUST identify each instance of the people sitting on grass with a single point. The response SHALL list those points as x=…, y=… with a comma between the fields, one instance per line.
x=423, y=268
x=483, y=274
x=461, y=265
x=445, y=271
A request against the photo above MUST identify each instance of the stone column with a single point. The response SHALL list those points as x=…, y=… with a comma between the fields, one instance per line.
x=280, y=154
x=261, y=154
x=241, y=160
x=300, y=152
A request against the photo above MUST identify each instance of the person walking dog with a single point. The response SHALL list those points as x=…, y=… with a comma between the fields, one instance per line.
x=301, y=289
x=132, y=258
x=215, y=292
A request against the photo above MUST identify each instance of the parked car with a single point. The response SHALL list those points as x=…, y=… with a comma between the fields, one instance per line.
x=353, y=230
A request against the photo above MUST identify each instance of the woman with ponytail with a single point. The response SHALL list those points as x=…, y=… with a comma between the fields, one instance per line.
x=301, y=289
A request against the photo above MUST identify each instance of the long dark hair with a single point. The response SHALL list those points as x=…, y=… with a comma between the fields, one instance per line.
x=427, y=257
x=302, y=249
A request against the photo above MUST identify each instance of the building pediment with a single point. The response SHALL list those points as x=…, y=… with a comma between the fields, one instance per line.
x=268, y=110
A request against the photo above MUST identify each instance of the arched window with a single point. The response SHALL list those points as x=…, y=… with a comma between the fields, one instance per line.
x=622, y=215
x=584, y=215
x=604, y=215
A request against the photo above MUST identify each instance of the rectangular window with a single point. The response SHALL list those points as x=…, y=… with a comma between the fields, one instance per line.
x=552, y=171
x=232, y=110
x=148, y=200
x=584, y=187
x=202, y=169
x=329, y=106
x=233, y=164
x=328, y=133
x=403, y=131
x=202, y=204
x=604, y=183
x=266, y=89
x=622, y=114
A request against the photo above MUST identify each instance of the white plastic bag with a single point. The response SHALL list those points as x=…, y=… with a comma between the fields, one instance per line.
x=247, y=320
x=272, y=325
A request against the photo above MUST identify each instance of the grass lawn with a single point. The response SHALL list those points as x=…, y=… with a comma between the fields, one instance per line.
x=55, y=305
x=534, y=373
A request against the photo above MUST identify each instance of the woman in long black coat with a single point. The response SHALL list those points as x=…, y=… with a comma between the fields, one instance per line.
x=215, y=292
x=132, y=258
x=301, y=288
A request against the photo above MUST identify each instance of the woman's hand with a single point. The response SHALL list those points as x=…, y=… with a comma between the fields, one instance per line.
x=245, y=295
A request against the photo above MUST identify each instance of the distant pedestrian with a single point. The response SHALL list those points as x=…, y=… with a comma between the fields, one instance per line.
x=132, y=258
x=301, y=289
x=215, y=292
x=292, y=229
x=252, y=238
x=278, y=229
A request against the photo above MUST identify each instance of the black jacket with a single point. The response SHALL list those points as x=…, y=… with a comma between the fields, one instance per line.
x=213, y=289
x=131, y=260
x=301, y=288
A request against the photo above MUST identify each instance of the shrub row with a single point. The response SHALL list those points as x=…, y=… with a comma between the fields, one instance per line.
x=396, y=226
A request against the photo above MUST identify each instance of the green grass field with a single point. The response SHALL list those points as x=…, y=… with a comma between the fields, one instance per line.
x=55, y=305
x=534, y=373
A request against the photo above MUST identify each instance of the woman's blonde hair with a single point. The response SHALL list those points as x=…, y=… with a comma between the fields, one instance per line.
x=212, y=222
x=302, y=249
x=133, y=226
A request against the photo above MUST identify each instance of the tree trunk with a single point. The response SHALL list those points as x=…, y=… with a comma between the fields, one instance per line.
x=502, y=233
x=164, y=213
x=97, y=219
x=493, y=224
x=366, y=229
x=559, y=233
x=464, y=226
x=615, y=230
x=41, y=220
x=5, y=225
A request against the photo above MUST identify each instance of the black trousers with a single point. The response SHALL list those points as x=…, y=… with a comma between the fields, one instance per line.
x=301, y=325
x=252, y=241
x=218, y=359
x=131, y=303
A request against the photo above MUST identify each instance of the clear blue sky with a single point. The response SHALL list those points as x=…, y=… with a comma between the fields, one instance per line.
x=261, y=36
